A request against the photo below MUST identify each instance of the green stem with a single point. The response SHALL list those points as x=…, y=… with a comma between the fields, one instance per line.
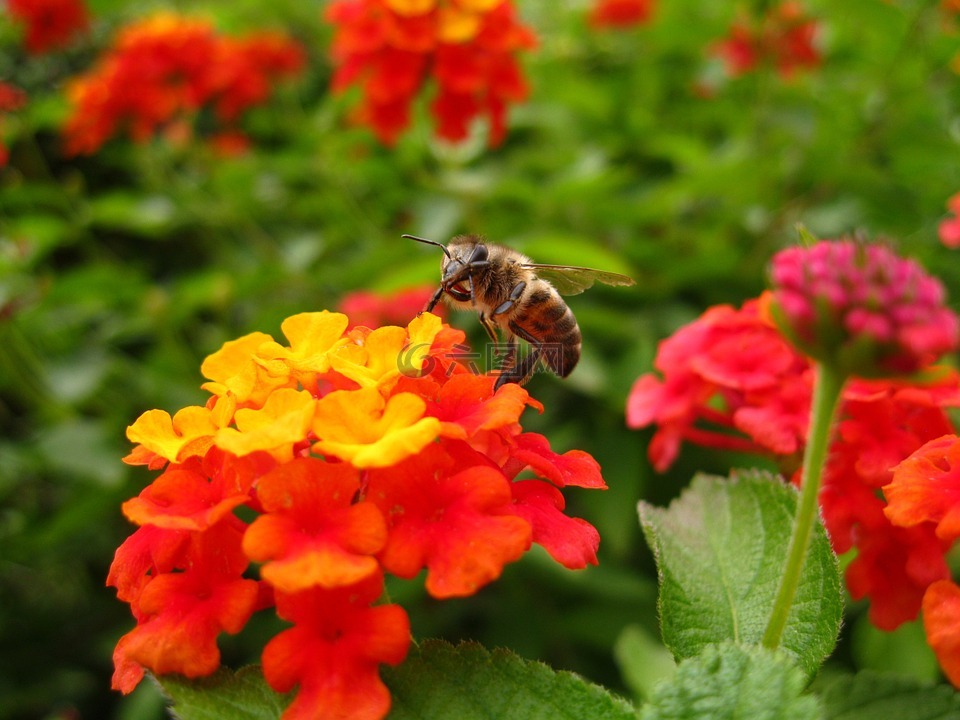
x=826, y=395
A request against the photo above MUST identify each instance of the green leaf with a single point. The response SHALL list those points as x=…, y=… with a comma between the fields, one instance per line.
x=720, y=549
x=468, y=682
x=240, y=695
x=436, y=682
x=884, y=696
x=730, y=681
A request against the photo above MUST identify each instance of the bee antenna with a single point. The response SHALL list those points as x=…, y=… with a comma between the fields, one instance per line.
x=428, y=242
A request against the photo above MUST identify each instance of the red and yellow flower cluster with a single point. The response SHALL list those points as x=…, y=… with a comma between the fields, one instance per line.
x=785, y=37
x=357, y=453
x=732, y=380
x=392, y=48
x=620, y=13
x=49, y=24
x=163, y=70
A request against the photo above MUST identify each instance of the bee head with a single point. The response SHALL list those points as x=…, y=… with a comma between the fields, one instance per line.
x=462, y=257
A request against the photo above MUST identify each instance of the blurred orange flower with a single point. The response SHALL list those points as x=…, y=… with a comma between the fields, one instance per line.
x=163, y=70
x=393, y=48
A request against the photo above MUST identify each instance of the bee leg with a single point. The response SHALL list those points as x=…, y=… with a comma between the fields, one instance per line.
x=433, y=301
x=522, y=371
x=511, y=299
x=489, y=327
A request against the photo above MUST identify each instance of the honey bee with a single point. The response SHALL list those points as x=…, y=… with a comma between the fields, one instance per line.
x=519, y=296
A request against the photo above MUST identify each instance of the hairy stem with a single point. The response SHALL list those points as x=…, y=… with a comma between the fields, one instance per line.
x=826, y=395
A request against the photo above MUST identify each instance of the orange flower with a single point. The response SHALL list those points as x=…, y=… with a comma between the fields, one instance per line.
x=941, y=621
x=312, y=533
x=393, y=48
x=926, y=488
x=179, y=67
x=360, y=452
x=180, y=614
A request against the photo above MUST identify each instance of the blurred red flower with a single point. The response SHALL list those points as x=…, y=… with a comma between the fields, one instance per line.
x=949, y=229
x=50, y=24
x=11, y=98
x=163, y=70
x=785, y=37
x=620, y=13
x=357, y=452
x=393, y=48
x=372, y=309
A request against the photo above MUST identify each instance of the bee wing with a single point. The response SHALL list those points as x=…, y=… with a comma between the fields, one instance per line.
x=572, y=280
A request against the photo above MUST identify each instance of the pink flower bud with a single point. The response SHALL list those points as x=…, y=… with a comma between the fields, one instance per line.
x=862, y=308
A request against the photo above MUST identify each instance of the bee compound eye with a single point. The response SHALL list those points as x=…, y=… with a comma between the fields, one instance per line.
x=479, y=254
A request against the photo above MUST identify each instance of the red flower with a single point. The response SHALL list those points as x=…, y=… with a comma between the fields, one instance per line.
x=165, y=69
x=50, y=24
x=620, y=13
x=334, y=650
x=180, y=614
x=392, y=48
x=359, y=452
x=729, y=381
x=374, y=309
x=449, y=511
x=785, y=37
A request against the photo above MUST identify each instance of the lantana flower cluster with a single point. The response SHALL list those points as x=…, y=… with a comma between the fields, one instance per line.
x=162, y=71
x=732, y=380
x=392, y=49
x=785, y=37
x=621, y=13
x=315, y=468
x=49, y=24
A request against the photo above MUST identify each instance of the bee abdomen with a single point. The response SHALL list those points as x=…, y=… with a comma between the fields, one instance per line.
x=548, y=320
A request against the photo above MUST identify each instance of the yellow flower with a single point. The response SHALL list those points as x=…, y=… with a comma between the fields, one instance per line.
x=283, y=420
x=233, y=369
x=387, y=352
x=311, y=337
x=359, y=426
x=457, y=26
x=479, y=6
x=411, y=7
x=190, y=432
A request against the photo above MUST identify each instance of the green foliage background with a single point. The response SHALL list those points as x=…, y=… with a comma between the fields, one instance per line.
x=120, y=272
